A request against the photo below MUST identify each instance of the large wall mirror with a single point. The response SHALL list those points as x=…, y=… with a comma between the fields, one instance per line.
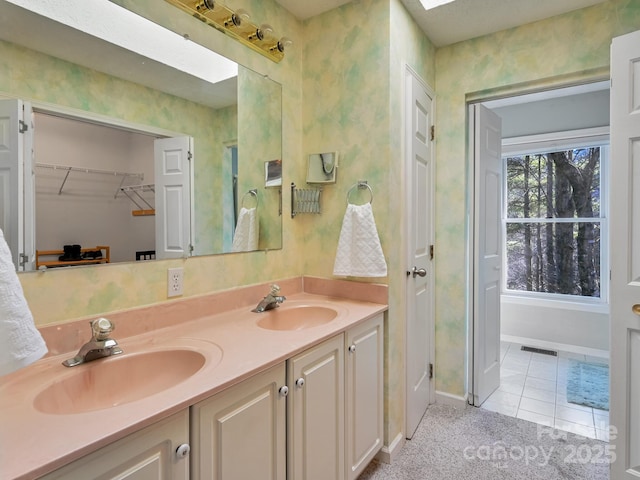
x=107, y=120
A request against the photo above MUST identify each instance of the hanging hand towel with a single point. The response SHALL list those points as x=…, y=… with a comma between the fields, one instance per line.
x=20, y=342
x=245, y=238
x=359, y=252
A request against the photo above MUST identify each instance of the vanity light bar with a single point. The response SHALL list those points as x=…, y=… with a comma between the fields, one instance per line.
x=236, y=24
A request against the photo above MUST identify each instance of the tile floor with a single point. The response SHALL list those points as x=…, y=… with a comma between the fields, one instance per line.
x=533, y=387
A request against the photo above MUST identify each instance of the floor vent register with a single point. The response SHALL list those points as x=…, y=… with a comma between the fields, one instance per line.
x=539, y=350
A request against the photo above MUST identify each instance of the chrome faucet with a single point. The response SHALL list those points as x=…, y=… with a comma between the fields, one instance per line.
x=99, y=346
x=272, y=300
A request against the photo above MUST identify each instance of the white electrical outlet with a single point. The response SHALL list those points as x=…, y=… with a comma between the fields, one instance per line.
x=174, y=281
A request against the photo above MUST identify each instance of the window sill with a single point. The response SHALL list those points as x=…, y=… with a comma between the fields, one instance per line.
x=593, y=307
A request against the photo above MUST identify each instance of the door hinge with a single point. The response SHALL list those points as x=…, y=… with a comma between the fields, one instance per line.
x=24, y=259
x=189, y=155
x=431, y=370
x=431, y=252
x=433, y=132
x=22, y=126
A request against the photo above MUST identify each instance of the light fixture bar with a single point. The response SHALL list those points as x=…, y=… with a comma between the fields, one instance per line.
x=236, y=24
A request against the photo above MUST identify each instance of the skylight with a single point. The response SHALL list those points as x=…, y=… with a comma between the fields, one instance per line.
x=431, y=4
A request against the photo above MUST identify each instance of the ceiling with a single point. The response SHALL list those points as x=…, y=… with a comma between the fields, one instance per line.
x=461, y=19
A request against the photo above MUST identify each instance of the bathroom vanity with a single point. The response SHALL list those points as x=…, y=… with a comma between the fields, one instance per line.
x=295, y=393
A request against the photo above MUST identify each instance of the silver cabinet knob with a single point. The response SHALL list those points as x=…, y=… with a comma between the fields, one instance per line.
x=300, y=382
x=352, y=347
x=284, y=391
x=183, y=450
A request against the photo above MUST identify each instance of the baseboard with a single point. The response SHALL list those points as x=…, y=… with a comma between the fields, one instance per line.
x=532, y=342
x=388, y=454
x=444, y=398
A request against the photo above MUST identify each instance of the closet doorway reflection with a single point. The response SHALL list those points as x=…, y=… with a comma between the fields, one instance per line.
x=80, y=169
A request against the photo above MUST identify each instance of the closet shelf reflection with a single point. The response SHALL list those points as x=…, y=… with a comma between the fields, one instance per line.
x=134, y=193
x=68, y=169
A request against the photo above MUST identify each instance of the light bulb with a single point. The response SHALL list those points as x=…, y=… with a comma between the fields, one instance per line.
x=283, y=43
x=237, y=18
x=206, y=5
x=264, y=32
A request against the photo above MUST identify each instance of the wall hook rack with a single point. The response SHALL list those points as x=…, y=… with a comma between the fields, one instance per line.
x=305, y=200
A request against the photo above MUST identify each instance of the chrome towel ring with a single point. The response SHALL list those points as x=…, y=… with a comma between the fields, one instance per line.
x=253, y=193
x=362, y=184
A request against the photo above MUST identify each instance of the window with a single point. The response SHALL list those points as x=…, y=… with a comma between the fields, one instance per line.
x=555, y=225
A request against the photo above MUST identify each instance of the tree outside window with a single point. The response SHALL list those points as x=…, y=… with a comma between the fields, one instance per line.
x=554, y=222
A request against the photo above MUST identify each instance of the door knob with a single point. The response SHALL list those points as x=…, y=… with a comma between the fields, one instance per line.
x=418, y=271
x=636, y=309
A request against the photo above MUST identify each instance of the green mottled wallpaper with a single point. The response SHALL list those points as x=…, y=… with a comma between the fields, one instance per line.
x=567, y=48
x=353, y=80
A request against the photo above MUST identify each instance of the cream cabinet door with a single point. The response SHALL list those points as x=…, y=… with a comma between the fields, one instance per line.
x=316, y=412
x=150, y=454
x=364, y=394
x=239, y=434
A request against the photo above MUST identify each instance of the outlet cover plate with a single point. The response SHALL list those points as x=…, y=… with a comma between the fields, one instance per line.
x=175, y=277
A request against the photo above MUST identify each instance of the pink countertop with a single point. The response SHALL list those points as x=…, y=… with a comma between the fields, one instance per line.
x=33, y=443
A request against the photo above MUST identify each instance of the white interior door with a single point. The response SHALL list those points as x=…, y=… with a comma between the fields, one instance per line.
x=29, y=177
x=419, y=321
x=173, y=196
x=16, y=203
x=487, y=253
x=625, y=256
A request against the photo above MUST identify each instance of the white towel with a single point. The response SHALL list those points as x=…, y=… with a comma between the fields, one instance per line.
x=245, y=238
x=20, y=342
x=359, y=252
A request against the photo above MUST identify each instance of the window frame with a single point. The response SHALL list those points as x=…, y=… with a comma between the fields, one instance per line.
x=545, y=143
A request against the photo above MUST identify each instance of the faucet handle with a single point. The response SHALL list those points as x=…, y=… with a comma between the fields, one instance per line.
x=275, y=289
x=102, y=328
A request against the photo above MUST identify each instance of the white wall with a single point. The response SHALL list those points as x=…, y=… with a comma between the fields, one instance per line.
x=556, y=324
x=559, y=114
x=86, y=212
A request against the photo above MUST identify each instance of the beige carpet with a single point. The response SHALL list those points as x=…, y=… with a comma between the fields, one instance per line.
x=474, y=443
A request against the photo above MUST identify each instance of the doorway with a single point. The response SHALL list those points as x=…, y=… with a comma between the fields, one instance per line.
x=419, y=234
x=532, y=383
x=80, y=171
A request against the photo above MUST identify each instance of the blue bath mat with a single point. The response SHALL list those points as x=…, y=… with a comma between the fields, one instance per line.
x=588, y=384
